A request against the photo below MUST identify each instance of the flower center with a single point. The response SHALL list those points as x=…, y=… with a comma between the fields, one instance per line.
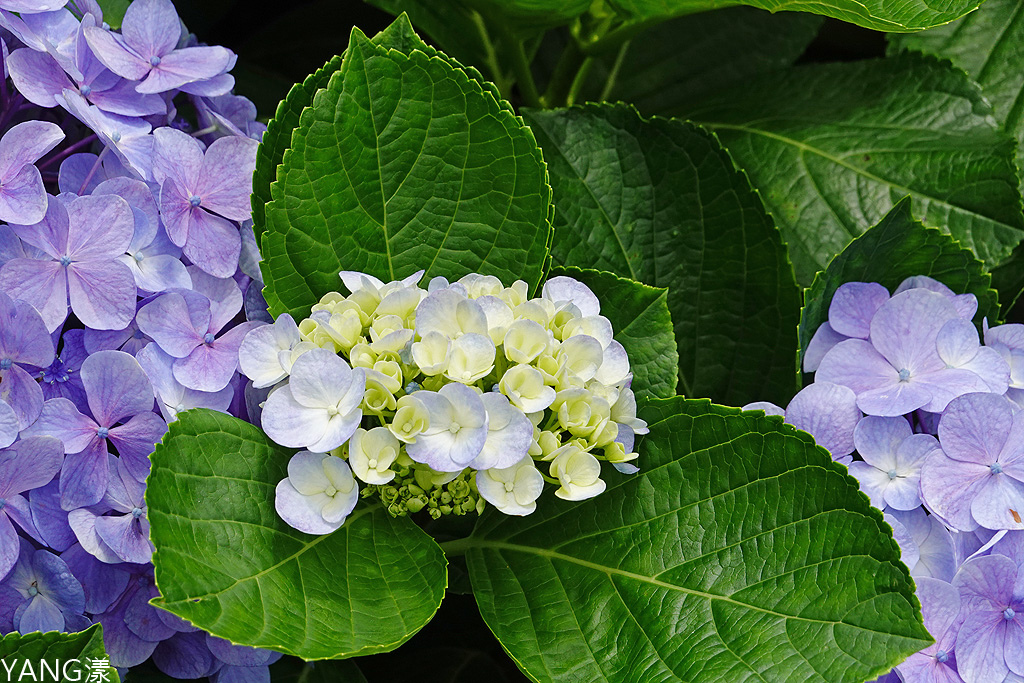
x=116, y=136
x=942, y=656
x=996, y=468
x=208, y=339
x=892, y=474
x=330, y=491
x=454, y=428
x=372, y=463
x=3, y=503
x=332, y=411
x=412, y=386
x=102, y=432
x=138, y=257
x=65, y=261
x=86, y=90
x=5, y=364
x=195, y=200
x=180, y=407
x=136, y=512
x=1009, y=614
x=509, y=486
x=904, y=375
x=33, y=591
x=154, y=61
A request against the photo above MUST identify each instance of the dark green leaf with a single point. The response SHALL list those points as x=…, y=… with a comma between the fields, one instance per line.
x=897, y=248
x=670, y=66
x=405, y=162
x=740, y=552
x=113, y=11
x=56, y=649
x=659, y=201
x=639, y=315
x=832, y=147
x=227, y=563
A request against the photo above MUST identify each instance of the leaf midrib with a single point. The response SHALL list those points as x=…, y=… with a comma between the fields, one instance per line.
x=804, y=147
x=552, y=556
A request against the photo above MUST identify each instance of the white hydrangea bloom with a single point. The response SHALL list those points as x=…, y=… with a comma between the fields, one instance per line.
x=578, y=472
x=318, y=494
x=371, y=453
x=457, y=430
x=514, y=490
x=268, y=352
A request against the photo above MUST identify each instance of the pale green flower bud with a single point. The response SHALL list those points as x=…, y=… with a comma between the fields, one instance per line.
x=371, y=454
x=389, y=374
x=377, y=399
x=574, y=411
x=578, y=472
x=525, y=340
x=524, y=386
x=472, y=357
x=411, y=419
x=515, y=295
x=432, y=353
x=362, y=356
x=537, y=310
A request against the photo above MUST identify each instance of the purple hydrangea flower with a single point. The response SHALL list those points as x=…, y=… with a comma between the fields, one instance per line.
x=1008, y=342
x=146, y=49
x=940, y=606
x=120, y=397
x=22, y=196
x=185, y=325
x=47, y=594
x=901, y=368
x=122, y=534
x=201, y=192
x=978, y=476
x=51, y=521
x=42, y=79
x=127, y=137
x=935, y=547
x=28, y=464
x=893, y=456
x=990, y=644
x=62, y=379
x=82, y=240
x=172, y=396
x=827, y=411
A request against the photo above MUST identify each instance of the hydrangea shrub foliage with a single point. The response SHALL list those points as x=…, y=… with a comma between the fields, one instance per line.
x=686, y=361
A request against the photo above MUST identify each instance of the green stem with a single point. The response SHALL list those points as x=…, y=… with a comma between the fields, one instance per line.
x=491, y=58
x=458, y=547
x=613, y=76
x=615, y=38
x=521, y=69
x=564, y=76
x=579, y=82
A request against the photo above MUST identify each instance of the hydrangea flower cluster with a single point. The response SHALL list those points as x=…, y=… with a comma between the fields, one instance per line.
x=936, y=421
x=443, y=398
x=125, y=174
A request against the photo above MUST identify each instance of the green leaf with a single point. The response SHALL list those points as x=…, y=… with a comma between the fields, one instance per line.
x=227, y=563
x=113, y=11
x=55, y=649
x=833, y=147
x=751, y=557
x=659, y=201
x=882, y=15
x=897, y=248
x=405, y=162
x=670, y=66
x=642, y=324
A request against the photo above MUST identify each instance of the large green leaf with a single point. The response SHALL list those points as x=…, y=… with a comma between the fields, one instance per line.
x=740, y=552
x=73, y=654
x=405, y=162
x=883, y=15
x=989, y=45
x=113, y=11
x=670, y=66
x=897, y=248
x=227, y=563
x=642, y=324
x=832, y=147
x=659, y=201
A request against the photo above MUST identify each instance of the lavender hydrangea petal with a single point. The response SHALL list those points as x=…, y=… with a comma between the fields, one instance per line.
x=975, y=427
x=997, y=502
x=126, y=536
x=143, y=619
x=225, y=179
x=122, y=99
x=151, y=27
x=24, y=144
x=184, y=656
x=220, y=85
x=57, y=582
x=23, y=197
x=103, y=583
x=124, y=648
x=84, y=476
x=905, y=327
x=117, y=386
x=24, y=337
x=39, y=614
x=856, y=364
x=873, y=481
x=37, y=76
x=83, y=523
x=124, y=491
x=213, y=244
x=9, y=546
x=62, y=419
x=110, y=49
x=102, y=294
x=50, y=520
x=174, y=325
x=135, y=440
x=9, y=425
x=22, y=393
x=185, y=66
x=178, y=157
x=949, y=487
x=980, y=648
x=210, y=366
x=43, y=284
x=853, y=306
x=158, y=273
x=224, y=295
x=829, y=412
x=30, y=463
x=821, y=343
